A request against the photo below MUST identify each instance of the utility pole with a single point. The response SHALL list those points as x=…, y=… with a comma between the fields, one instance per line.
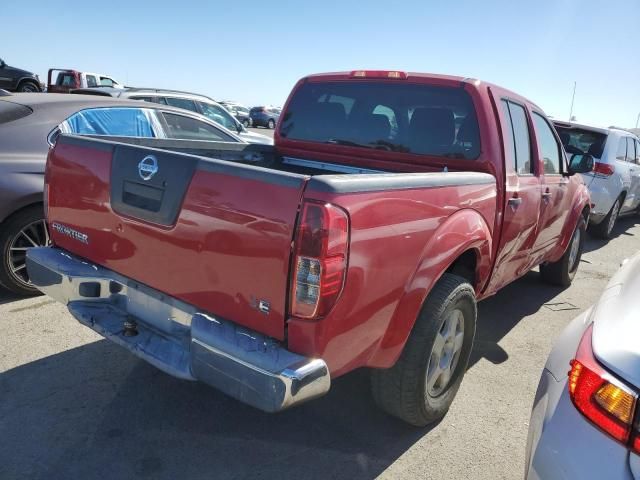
x=573, y=97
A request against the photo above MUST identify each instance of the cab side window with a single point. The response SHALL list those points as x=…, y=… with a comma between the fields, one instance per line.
x=518, y=143
x=91, y=81
x=547, y=145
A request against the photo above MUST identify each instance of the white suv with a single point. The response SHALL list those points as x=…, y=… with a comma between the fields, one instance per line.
x=614, y=184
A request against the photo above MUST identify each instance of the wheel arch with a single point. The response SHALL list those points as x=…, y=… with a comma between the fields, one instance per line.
x=462, y=245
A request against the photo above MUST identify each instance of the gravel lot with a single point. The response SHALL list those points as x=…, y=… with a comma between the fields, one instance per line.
x=75, y=406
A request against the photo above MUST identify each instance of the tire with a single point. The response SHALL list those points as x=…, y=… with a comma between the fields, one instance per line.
x=605, y=228
x=271, y=124
x=13, y=243
x=28, y=86
x=562, y=272
x=246, y=123
x=403, y=390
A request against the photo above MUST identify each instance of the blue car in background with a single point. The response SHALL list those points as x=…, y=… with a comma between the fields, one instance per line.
x=264, y=116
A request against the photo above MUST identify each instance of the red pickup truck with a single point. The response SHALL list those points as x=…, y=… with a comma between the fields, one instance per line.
x=390, y=203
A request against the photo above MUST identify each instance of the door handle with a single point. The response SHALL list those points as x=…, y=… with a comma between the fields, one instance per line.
x=515, y=201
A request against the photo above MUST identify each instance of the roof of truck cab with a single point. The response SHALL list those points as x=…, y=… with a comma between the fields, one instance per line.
x=422, y=77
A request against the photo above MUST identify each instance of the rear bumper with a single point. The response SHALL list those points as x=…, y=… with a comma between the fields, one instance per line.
x=177, y=338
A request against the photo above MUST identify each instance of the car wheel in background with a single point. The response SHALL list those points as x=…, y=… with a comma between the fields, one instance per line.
x=28, y=87
x=22, y=231
x=246, y=123
x=605, y=228
x=271, y=123
x=421, y=386
x=562, y=272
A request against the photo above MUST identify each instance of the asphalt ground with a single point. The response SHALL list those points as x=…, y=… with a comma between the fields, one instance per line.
x=72, y=405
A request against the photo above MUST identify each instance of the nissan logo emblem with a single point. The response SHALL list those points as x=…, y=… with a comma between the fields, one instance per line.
x=148, y=167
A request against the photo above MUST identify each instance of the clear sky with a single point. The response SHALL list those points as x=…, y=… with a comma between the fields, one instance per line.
x=254, y=52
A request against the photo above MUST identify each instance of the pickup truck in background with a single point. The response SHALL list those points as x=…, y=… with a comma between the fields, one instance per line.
x=389, y=205
x=63, y=80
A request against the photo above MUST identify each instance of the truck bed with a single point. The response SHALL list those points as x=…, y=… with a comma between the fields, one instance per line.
x=217, y=233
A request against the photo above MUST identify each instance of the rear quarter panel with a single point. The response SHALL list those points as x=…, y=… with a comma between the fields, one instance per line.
x=401, y=243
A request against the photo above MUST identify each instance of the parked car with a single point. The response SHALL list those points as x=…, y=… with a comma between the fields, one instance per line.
x=63, y=80
x=584, y=422
x=188, y=101
x=240, y=112
x=17, y=80
x=264, y=116
x=387, y=208
x=30, y=123
x=614, y=184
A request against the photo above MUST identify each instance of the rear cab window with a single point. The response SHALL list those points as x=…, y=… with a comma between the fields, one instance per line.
x=411, y=118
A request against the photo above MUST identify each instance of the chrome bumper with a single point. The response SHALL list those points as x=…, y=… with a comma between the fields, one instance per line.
x=177, y=338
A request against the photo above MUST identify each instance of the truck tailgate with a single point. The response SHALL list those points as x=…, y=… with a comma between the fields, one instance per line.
x=214, y=234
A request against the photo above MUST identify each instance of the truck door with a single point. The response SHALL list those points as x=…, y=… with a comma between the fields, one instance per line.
x=555, y=196
x=522, y=196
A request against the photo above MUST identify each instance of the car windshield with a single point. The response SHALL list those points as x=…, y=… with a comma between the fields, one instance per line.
x=580, y=140
x=125, y=122
x=400, y=117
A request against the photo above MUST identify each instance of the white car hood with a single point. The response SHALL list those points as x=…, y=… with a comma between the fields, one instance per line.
x=256, y=138
x=616, y=330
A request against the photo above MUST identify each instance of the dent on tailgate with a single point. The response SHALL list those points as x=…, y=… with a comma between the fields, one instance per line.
x=227, y=250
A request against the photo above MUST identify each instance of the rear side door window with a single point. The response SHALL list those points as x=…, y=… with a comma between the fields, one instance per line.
x=547, y=145
x=181, y=127
x=631, y=150
x=183, y=103
x=621, y=153
x=519, y=143
x=91, y=81
x=218, y=115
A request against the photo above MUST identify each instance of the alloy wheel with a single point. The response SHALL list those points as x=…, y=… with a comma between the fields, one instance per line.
x=613, y=217
x=445, y=354
x=574, y=249
x=35, y=234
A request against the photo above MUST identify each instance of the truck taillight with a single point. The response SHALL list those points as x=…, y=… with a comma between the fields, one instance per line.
x=603, y=169
x=603, y=399
x=320, y=262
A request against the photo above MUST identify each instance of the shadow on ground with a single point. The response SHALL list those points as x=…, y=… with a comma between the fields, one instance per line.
x=7, y=297
x=622, y=227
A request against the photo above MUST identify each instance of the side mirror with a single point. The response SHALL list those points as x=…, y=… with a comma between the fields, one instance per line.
x=581, y=163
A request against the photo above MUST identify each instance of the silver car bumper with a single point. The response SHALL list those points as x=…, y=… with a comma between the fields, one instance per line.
x=177, y=338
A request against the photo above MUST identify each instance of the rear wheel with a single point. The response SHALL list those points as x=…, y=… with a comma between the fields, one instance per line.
x=28, y=86
x=24, y=230
x=562, y=272
x=421, y=386
x=271, y=123
x=605, y=228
